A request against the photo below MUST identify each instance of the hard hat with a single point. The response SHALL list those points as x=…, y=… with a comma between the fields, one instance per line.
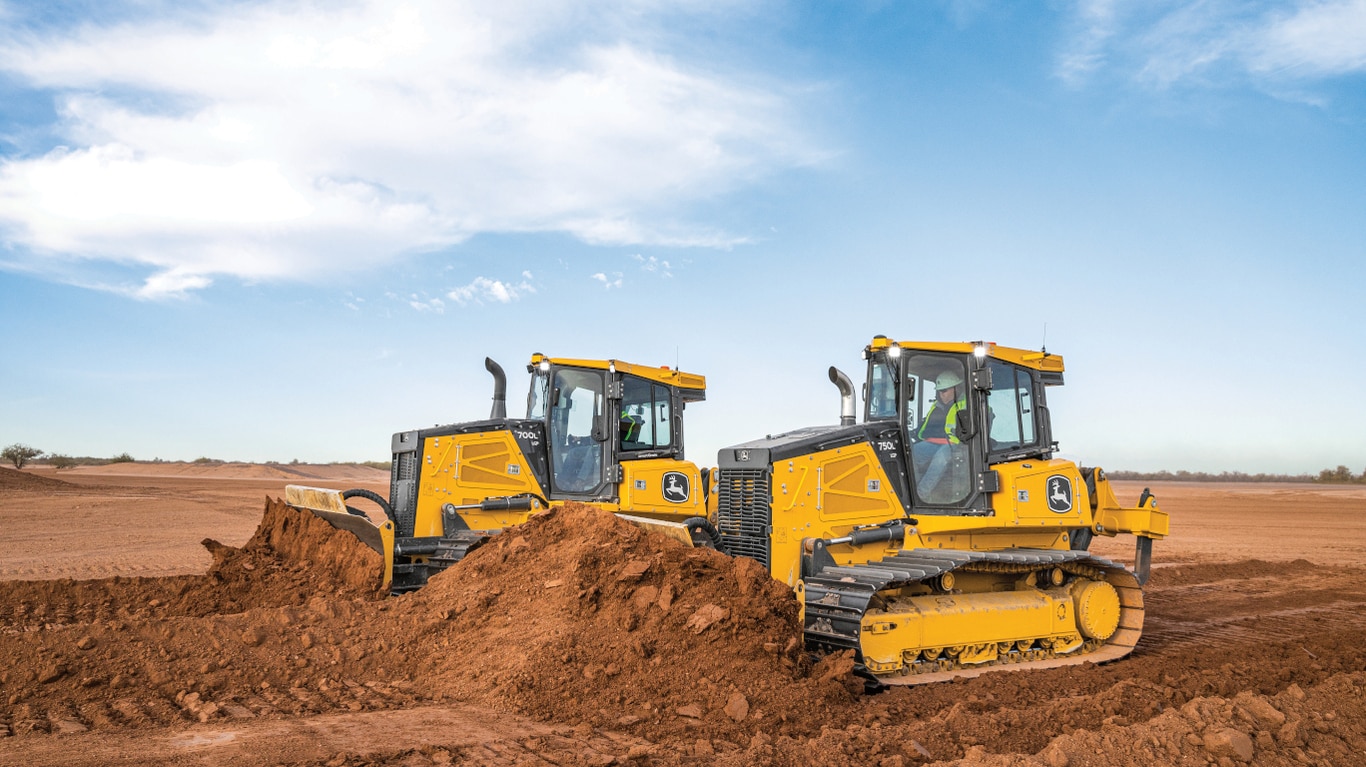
x=947, y=379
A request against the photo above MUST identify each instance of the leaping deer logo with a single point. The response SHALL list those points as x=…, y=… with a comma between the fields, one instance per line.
x=1059, y=494
x=675, y=487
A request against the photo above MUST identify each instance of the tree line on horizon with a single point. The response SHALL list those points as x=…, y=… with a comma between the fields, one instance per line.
x=21, y=455
x=1339, y=475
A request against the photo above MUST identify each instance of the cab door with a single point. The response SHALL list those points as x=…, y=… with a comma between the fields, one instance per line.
x=575, y=414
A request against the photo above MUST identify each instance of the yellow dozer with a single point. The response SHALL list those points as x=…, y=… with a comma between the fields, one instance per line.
x=940, y=537
x=603, y=432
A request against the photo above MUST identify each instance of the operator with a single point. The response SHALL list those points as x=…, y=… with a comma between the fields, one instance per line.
x=937, y=436
x=630, y=427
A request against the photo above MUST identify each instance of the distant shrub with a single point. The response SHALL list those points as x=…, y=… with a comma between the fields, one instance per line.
x=1341, y=474
x=20, y=454
x=122, y=458
x=59, y=461
x=202, y=459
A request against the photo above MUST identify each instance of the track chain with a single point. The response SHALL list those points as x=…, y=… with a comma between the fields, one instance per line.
x=838, y=596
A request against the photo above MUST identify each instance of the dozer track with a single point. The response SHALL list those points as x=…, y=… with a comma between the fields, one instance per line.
x=429, y=556
x=908, y=624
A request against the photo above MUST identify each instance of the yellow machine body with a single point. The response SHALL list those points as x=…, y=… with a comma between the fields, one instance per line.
x=923, y=590
x=602, y=432
x=465, y=469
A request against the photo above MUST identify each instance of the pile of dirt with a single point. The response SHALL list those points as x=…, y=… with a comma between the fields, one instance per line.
x=585, y=618
x=1325, y=724
x=12, y=479
x=293, y=556
x=140, y=651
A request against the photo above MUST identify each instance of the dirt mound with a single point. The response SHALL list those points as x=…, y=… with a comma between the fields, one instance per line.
x=137, y=651
x=584, y=617
x=1321, y=725
x=293, y=556
x=12, y=479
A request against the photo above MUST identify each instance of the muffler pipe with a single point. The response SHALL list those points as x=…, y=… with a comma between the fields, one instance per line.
x=848, y=406
x=500, y=389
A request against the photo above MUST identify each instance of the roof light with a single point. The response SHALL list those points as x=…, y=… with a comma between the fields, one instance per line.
x=545, y=366
x=894, y=351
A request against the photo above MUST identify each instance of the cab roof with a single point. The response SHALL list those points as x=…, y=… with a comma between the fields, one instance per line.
x=690, y=384
x=1037, y=360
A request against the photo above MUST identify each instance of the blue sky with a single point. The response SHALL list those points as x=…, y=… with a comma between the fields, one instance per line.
x=275, y=231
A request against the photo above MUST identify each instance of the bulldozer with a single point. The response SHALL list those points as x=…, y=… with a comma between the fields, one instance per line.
x=603, y=432
x=941, y=536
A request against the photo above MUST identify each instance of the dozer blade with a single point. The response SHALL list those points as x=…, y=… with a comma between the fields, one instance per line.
x=330, y=505
x=676, y=530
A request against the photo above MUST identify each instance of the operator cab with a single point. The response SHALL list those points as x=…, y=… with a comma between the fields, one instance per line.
x=598, y=413
x=961, y=408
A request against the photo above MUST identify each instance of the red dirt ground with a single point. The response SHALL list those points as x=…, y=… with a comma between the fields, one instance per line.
x=579, y=639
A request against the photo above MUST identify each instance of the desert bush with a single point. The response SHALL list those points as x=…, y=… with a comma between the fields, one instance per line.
x=59, y=461
x=121, y=458
x=20, y=454
x=1340, y=474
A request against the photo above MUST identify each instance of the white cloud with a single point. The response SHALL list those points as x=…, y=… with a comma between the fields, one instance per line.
x=614, y=281
x=654, y=265
x=420, y=304
x=1095, y=24
x=1327, y=38
x=284, y=141
x=483, y=290
x=1162, y=42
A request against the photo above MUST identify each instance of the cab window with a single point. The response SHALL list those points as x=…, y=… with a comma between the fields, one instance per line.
x=536, y=399
x=1012, y=407
x=941, y=462
x=881, y=395
x=646, y=416
x=575, y=408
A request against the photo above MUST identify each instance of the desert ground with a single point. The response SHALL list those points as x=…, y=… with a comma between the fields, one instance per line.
x=176, y=614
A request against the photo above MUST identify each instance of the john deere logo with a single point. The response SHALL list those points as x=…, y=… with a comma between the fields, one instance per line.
x=676, y=487
x=1059, y=494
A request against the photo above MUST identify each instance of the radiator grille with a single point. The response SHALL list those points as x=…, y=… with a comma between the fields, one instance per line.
x=405, y=465
x=403, y=491
x=744, y=516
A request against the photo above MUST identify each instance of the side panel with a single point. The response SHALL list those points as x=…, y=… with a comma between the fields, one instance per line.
x=465, y=469
x=843, y=486
x=825, y=495
x=1041, y=494
x=661, y=488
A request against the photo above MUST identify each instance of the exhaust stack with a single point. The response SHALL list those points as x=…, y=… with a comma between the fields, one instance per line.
x=848, y=405
x=500, y=389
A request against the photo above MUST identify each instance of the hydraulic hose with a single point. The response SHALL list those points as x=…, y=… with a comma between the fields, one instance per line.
x=369, y=496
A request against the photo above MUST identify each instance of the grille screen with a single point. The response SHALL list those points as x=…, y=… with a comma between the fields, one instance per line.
x=404, y=464
x=744, y=517
x=402, y=487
